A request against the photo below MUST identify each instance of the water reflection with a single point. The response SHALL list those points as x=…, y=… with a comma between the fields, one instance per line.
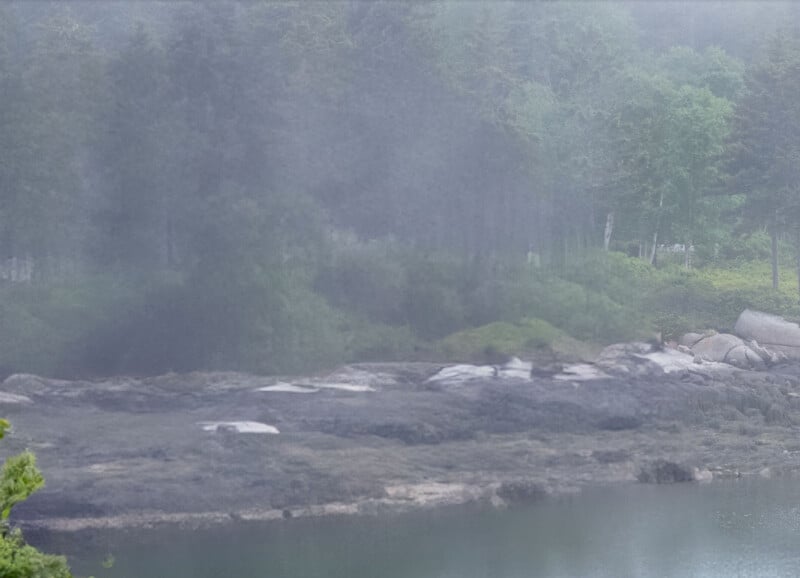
x=736, y=529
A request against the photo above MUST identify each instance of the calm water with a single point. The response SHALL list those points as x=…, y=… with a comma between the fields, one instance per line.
x=743, y=528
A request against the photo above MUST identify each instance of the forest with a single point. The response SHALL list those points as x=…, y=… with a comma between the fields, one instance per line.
x=285, y=186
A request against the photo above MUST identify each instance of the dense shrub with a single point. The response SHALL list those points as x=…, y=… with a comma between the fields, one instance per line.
x=366, y=341
x=368, y=278
x=101, y=325
x=370, y=302
x=499, y=339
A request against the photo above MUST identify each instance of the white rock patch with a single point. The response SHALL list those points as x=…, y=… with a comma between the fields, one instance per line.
x=341, y=386
x=314, y=387
x=13, y=398
x=238, y=427
x=460, y=373
x=283, y=387
x=516, y=368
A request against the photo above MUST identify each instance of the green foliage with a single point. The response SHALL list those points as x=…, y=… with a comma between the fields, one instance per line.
x=19, y=479
x=764, y=151
x=20, y=560
x=284, y=186
x=267, y=323
x=500, y=338
x=365, y=277
x=378, y=282
x=433, y=303
x=366, y=341
x=745, y=248
x=713, y=69
x=714, y=297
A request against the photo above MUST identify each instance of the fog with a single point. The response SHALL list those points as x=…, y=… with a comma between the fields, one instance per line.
x=257, y=185
x=197, y=198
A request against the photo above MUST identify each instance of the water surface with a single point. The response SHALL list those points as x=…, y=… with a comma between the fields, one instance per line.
x=728, y=529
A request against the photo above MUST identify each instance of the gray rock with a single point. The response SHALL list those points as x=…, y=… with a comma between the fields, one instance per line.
x=665, y=472
x=745, y=358
x=772, y=332
x=727, y=348
x=766, y=355
x=629, y=359
x=716, y=347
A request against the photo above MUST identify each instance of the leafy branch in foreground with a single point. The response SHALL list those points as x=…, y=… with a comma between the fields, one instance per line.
x=19, y=479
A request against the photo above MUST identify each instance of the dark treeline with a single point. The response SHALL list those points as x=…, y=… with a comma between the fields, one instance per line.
x=274, y=186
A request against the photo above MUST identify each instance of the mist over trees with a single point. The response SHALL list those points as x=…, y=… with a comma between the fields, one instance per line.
x=275, y=186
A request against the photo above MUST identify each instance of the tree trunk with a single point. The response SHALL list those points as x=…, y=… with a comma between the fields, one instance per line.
x=658, y=226
x=654, y=248
x=773, y=233
x=687, y=255
x=609, y=230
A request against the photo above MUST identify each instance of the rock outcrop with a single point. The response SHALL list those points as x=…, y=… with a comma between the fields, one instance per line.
x=388, y=437
x=644, y=361
x=760, y=339
x=727, y=348
x=773, y=333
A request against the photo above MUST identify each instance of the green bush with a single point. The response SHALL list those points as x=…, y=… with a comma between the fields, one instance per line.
x=104, y=325
x=713, y=297
x=268, y=324
x=382, y=303
x=435, y=303
x=365, y=278
x=366, y=341
x=19, y=479
x=499, y=339
x=746, y=248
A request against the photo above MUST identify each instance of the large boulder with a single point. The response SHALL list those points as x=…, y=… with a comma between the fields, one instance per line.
x=772, y=332
x=727, y=348
x=716, y=347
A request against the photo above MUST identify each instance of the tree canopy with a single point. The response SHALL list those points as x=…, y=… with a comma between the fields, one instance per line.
x=177, y=179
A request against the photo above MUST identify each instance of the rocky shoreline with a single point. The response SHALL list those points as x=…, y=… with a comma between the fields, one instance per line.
x=215, y=448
